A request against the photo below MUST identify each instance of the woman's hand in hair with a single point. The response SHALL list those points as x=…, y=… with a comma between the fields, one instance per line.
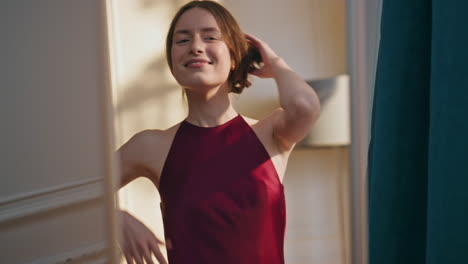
x=299, y=104
x=139, y=242
x=269, y=58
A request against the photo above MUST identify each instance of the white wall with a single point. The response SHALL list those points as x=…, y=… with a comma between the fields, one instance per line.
x=55, y=200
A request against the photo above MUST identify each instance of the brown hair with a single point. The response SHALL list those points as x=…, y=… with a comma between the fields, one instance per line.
x=242, y=55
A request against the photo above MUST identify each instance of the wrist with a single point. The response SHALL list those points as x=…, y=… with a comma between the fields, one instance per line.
x=277, y=66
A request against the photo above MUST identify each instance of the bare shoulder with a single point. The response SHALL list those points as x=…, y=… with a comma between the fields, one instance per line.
x=157, y=138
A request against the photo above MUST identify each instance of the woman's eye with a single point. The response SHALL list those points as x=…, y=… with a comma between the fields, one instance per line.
x=181, y=41
x=211, y=38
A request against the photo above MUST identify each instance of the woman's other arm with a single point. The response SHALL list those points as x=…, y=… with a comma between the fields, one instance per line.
x=138, y=243
x=300, y=106
x=132, y=157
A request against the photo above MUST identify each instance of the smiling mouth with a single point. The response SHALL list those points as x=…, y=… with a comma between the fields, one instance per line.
x=196, y=64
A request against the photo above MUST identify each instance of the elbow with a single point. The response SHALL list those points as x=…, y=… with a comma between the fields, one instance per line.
x=307, y=107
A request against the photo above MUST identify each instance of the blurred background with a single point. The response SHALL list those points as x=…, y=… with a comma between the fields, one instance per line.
x=96, y=74
x=311, y=37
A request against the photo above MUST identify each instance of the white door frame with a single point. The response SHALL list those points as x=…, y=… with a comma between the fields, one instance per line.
x=363, y=41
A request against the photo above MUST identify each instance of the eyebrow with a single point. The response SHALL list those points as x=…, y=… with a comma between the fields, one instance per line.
x=188, y=32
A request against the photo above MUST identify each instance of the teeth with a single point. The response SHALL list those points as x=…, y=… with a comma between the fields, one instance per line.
x=197, y=63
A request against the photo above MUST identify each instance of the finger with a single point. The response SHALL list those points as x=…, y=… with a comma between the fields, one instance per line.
x=136, y=254
x=128, y=258
x=257, y=70
x=161, y=259
x=147, y=255
x=265, y=50
x=254, y=40
x=248, y=36
x=254, y=71
x=157, y=253
x=139, y=260
x=254, y=43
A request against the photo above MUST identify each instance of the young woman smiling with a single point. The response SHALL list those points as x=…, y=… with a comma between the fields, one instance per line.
x=219, y=173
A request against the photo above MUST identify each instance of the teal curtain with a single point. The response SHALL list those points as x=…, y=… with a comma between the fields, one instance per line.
x=418, y=155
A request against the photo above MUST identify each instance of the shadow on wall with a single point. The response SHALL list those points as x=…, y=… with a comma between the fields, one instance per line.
x=146, y=4
x=149, y=93
x=151, y=99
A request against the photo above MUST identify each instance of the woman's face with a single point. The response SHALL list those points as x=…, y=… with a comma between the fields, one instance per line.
x=200, y=57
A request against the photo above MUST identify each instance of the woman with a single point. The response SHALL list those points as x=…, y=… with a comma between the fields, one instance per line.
x=219, y=173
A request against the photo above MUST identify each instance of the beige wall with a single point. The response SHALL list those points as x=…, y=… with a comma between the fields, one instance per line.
x=56, y=164
x=145, y=94
x=310, y=35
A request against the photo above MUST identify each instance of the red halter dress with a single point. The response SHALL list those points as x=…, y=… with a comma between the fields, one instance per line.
x=222, y=200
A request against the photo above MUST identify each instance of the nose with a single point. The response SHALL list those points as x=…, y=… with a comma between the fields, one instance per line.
x=197, y=46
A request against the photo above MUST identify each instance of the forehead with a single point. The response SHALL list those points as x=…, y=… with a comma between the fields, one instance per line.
x=196, y=19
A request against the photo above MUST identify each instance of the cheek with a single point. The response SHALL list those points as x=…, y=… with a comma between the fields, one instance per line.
x=175, y=60
x=174, y=55
x=224, y=55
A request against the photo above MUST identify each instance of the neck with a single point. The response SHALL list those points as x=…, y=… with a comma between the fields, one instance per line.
x=209, y=109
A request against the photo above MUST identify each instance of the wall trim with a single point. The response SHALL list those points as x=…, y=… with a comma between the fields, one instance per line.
x=94, y=253
x=29, y=203
x=112, y=172
x=363, y=43
x=360, y=70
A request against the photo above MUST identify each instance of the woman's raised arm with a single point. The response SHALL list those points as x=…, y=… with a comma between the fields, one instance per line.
x=300, y=106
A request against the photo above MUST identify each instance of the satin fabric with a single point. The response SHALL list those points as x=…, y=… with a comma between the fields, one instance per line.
x=222, y=200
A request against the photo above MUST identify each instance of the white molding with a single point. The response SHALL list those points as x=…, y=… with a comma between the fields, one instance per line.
x=112, y=173
x=363, y=43
x=29, y=203
x=344, y=211
x=362, y=46
x=94, y=253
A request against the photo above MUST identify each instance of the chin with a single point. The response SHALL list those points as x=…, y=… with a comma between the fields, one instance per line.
x=200, y=84
x=200, y=87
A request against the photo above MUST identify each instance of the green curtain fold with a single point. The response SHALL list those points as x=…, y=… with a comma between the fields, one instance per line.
x=418, y=155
